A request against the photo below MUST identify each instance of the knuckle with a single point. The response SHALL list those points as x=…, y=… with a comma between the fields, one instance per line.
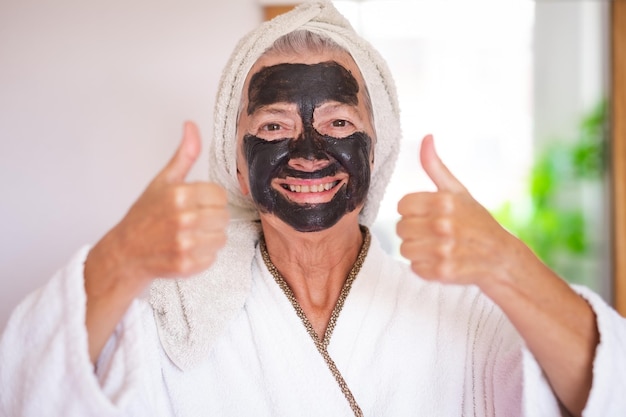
x=444, y=250
x=182, y=245
x=185, y=219
x=405, y=249
x=401, y=228
x=443, y=270
x=410, y=228
x=178, y=195
x=408, y=204
x=442, y=226
x=422, y=269
x=445, y=202
x=402, y=205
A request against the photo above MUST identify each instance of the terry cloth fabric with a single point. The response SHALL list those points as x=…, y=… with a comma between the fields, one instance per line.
x=405, y=346
x=192, y=313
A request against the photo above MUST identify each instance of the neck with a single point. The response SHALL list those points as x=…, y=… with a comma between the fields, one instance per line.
x=315, y=265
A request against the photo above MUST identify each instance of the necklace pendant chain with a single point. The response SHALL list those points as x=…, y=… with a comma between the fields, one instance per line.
x=322, y=344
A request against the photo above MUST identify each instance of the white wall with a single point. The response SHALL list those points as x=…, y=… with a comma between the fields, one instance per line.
x=571, y=64
x=570, y=77
x=93, y=95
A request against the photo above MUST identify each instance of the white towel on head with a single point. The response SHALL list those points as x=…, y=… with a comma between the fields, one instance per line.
x=192, y=313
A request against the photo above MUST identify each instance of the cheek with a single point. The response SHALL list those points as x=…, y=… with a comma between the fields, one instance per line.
x=243, y=184
x=372, y=151
x=242, y=174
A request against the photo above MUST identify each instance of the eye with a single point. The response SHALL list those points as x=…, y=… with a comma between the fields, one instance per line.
x=338, y=128
x=340, y=123
x=271, y=127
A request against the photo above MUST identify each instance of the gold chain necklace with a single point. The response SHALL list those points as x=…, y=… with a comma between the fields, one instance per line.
x=322, y=345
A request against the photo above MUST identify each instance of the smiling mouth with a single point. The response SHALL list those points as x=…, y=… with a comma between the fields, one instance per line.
x=315, y=188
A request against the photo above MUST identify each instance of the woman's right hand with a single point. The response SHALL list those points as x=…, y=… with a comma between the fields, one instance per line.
x=174, y=229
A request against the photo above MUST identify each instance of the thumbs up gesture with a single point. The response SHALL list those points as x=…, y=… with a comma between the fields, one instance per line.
x=174, y=229
x=447, y=235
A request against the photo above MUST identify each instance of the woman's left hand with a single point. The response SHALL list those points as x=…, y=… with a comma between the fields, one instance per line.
x=447, y=235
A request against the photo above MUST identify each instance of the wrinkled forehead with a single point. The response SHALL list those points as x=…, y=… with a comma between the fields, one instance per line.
x=278, y=77
x=307, y=84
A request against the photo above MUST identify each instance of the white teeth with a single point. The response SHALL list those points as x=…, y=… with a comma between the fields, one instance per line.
x=317, y=188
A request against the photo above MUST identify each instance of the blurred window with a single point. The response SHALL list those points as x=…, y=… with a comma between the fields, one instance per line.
x=513, y=93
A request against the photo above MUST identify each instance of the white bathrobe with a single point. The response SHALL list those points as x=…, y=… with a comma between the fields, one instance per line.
x=406, y=347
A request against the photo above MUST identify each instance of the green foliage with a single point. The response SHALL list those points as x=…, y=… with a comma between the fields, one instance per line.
x=545, y=219
x=589, y=154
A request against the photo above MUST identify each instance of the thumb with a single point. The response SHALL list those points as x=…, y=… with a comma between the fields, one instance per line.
x=435, y=168
x=188, y=151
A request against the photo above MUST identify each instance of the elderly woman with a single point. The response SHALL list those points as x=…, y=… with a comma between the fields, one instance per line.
x=291, y=307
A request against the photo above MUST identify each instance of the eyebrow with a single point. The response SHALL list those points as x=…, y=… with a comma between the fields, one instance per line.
x=332, y=106
x=276, y=109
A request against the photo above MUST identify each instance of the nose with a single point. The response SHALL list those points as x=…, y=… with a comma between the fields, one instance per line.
x=307, y=152
x=308, y=165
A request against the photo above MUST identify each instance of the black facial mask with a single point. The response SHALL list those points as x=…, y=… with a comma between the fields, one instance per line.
x=307, y=86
